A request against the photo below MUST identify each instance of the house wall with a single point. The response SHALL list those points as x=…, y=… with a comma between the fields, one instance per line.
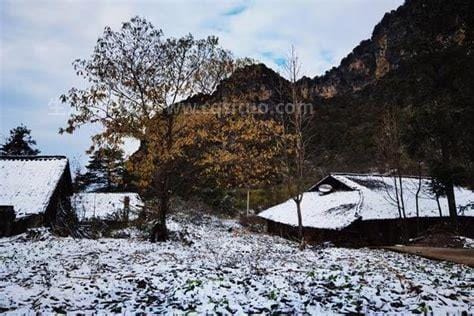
x=371, y=232
x=22, y=224
x=58, y=214
x=391, y=231
x=313, y=235
x=7, y=218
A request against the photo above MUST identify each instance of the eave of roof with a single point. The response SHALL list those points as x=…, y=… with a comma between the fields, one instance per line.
x=42, y=157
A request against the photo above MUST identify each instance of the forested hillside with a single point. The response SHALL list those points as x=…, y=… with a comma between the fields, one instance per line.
x=418, y=54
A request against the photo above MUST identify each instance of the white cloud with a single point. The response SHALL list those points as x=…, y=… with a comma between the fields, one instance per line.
x=40, y=39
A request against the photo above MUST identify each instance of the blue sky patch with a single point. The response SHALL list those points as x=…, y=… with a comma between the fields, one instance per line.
x=276, y=58
x=327, y=55
x=236, y=10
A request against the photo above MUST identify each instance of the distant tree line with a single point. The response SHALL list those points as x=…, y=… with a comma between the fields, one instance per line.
x=19, y=143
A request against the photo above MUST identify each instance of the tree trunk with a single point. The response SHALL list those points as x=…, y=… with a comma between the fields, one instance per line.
x=417, y=195
x=404, y=236
x=248, y=201
x=402, y=202
x=449, y=186
x=439, y=206
x=452, y=203
x=160, y=231
x=417, y=202
x=300, y=222
x=396, y=197
x=126, y=209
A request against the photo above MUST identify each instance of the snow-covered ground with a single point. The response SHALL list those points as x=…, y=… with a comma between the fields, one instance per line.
x=468, y=242
x=219, y=267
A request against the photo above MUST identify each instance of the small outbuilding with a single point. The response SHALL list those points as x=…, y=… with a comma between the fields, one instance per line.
x=362, y=208
x=35, y=191
x=108, y=207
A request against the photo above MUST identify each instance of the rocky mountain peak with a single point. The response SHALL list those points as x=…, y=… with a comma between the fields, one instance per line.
x=415, y=28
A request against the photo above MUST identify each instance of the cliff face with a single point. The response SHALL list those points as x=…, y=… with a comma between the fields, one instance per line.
x=418, y=27
x=419, y=52
x=251, y=84
x=417, y=30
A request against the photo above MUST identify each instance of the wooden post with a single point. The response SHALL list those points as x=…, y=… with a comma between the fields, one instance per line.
x=248, y=201
x=126, y=208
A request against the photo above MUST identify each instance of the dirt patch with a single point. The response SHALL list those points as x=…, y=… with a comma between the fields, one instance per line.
x=440, y=236
x=439, y=240
x=462, y=256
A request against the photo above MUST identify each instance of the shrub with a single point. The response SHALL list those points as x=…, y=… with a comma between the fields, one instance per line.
x=253, y=223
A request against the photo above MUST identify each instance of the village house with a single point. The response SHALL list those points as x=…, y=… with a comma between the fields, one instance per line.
x=107, y=207
x=362, y=209
x=35, y=191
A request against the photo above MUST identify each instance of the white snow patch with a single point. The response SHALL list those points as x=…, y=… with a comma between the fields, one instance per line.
x=317, y=210
x=129, y=146
x=28, y=183
x=106, y=205
x=468, y=242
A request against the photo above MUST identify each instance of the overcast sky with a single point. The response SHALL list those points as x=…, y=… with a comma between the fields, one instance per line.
x=39, y=40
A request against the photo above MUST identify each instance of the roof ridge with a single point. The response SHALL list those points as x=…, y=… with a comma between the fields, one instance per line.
x=375, y=174
x=128, y=192
x=41, y=157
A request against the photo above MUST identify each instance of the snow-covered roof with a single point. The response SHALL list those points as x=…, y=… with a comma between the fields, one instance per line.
x=105, y=205
x=370, y=197
x=27, y=183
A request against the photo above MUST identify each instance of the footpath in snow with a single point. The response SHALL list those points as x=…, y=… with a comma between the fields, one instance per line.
x=221, y=267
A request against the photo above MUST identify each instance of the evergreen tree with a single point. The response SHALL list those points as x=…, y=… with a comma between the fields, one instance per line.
x=80, y=181
x=19, y=143
x=105, y=172
x=440, y=124
x=442, y=129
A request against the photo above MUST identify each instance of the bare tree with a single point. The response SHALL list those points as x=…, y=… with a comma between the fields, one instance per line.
x=295, y=140
x=418, y=190
x=438, y=190
x=391, y=154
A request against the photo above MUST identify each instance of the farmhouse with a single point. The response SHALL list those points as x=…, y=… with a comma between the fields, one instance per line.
x=109, y=207
x=35, y=191
x=362, y=208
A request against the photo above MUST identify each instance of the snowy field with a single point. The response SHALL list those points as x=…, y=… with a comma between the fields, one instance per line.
x=220, y=267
